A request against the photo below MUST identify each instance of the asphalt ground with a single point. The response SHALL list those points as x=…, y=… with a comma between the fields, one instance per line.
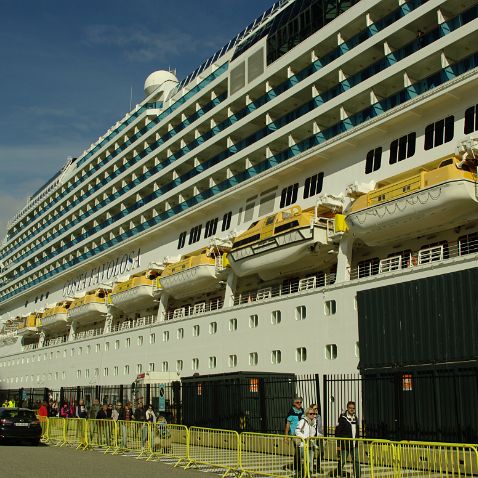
x=43, y=461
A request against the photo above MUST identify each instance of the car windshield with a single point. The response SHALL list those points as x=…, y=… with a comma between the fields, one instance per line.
x=14, y=413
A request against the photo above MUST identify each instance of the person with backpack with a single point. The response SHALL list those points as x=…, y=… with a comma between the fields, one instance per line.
x=307, y=428
x=348, y=427
x=294, y=414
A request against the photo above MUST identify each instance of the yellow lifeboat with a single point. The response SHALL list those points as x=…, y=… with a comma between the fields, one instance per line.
x=282, y=241
x=28, y=325
x=136, y=292
x=56, y=316
x=443, y=194
x=89, y=308
x=197, y=272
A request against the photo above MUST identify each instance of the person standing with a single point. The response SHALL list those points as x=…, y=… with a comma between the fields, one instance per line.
x=307, y=428
x=348, y=427
x=319, y=432
x=294, y=414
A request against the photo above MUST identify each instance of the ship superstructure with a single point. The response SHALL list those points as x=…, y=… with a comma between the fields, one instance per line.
x=229, y=221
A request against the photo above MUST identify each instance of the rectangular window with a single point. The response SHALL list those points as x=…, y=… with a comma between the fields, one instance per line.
x=373, y=160
x=140, y=340
x=232, y=325
x=151, y=367
x=105, y=372
x=253, y=358
x=117, y=344
x=211, y=227
x=330, y=307
x=182, y=240
x=165, y=335
x=139, y=368
x=195, y=364
x=301, y=312
x=439, y=133
x=195, y=234
x=313, y=185
x=165, y=367
x=196, y=331
x=471, y=120
x=212, y=328
x=180, y=334
x=253, y=321
x=301, y=354
x=127, y=342
x=232, y=361
x=289, y=195
x=126, y=370
x=402, y=148
x=276, y=356
x=226, y=221
x=115, y=370
x=212, y=362
x=331, y=351
x=179, y=365
x=152, y=338
x=276, y=317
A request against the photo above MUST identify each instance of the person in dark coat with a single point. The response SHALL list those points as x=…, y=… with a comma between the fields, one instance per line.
x=348, y=427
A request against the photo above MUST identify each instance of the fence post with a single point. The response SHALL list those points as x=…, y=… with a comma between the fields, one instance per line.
x=262, y=406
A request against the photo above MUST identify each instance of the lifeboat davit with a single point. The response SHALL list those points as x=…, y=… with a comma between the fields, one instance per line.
x=28, y=326
x=89, y=308
x=56, y=316
x=197, y=272
x=287, y=240
x=441, y=195
x=137, y=292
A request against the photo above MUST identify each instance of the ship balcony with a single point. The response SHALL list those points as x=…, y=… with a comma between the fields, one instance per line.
x=430, y=256
x=303, y=284
x=88, y=309
x=135, y=293
x=132, y=324
x=8, y=338
x=54, y=341
x=88, y=334
x=196, y=309
x=27, y=331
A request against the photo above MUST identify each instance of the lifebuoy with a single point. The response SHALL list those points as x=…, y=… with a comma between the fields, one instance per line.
x=294, y=210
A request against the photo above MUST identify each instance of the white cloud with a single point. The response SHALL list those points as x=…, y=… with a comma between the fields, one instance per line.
x=141, y=44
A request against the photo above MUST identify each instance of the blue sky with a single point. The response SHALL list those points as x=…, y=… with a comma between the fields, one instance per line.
x=68, y=66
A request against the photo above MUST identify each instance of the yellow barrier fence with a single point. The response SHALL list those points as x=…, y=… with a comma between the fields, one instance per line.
x=216, y=448
x=133, y=438
x=44, y=427
x=101, y=434
x=273, y=455
x=170, y=441
x=267, y=454
x=75, y=432
x=56, y=431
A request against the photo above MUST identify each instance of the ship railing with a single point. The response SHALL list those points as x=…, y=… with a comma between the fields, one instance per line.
x=86, y=334
x=132, y=324
x=293, y=287
x=29, y=347
x=199, y=308
x=55, y=341
x=436, y=253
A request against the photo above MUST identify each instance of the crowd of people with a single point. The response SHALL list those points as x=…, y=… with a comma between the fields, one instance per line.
x=307, y=424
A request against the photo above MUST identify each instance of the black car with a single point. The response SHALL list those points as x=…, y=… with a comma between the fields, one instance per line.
x=19, y=424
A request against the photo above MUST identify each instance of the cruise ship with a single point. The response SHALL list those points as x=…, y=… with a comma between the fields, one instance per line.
x=305, y=201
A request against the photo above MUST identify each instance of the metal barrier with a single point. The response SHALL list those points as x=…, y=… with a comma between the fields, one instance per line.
x=267, y=454
x=216, y=448
x=101, y=434
x=56, y=431
x=133, y=438
x=171, y=441
x=273, y=455
x=75, y=432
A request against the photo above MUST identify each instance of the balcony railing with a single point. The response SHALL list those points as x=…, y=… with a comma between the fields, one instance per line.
x=437, y=253
x=132, y=324
x=86, y=334
x=199, y=308
x=56, y=341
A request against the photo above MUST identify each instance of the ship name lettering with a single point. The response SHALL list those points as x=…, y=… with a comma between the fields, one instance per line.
x=108, y=270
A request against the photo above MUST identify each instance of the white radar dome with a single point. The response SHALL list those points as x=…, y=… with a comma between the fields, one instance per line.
x=164, y=80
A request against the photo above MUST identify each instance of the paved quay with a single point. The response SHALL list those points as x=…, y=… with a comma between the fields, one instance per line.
x=55, y=462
